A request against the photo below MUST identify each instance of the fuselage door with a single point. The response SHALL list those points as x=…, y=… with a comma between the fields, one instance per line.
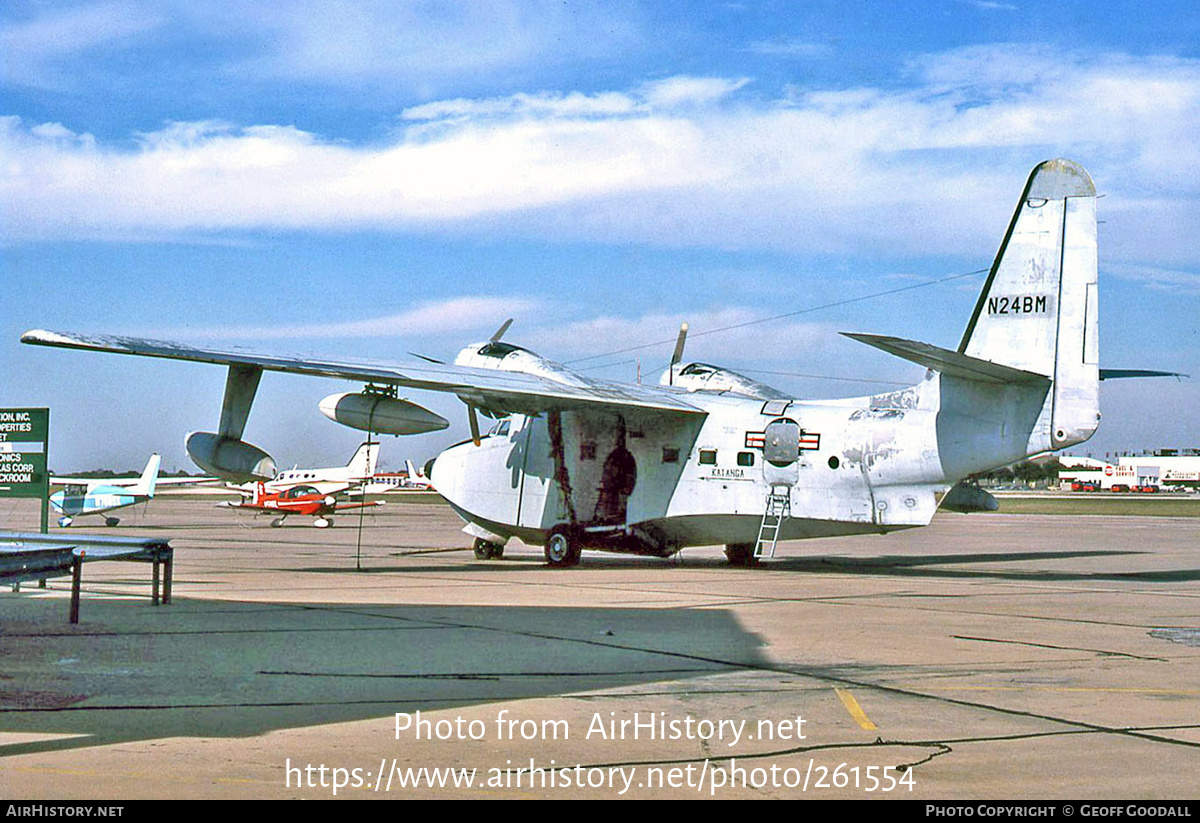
x=781, y=452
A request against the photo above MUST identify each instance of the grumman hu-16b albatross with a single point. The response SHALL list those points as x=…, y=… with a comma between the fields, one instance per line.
x=712, y=457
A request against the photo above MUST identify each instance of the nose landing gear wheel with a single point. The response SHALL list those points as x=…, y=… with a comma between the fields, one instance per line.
x=562, y=549
x=486, y=550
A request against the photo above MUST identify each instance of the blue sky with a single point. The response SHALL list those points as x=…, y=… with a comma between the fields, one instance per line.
x=378, y=178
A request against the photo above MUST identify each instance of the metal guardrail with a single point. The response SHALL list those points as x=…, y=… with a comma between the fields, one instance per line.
x=28, y=556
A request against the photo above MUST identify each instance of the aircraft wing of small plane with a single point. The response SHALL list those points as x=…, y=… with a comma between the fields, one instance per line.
x=515, y=391
x=119, y=482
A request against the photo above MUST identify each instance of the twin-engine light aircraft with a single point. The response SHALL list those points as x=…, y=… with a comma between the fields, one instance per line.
x=710, y=456
x=359, y=470
x=81, y=497
x=298, y=499
x=311, y=492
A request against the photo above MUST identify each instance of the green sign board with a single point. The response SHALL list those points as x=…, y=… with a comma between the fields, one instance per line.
x=24, y=435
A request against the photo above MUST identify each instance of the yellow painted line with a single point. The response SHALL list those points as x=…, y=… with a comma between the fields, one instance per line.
x=855, y=710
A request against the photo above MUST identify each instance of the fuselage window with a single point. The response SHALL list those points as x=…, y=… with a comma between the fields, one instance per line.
x=587, y=451
x=708, y=457
x=745, y=458
x=670, y=454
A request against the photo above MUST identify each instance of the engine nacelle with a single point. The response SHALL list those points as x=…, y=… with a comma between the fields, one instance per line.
x=703, y=377
x=229, y=459
x=384, y=415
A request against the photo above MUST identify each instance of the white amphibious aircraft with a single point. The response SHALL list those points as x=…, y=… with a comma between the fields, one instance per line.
x=712, y=457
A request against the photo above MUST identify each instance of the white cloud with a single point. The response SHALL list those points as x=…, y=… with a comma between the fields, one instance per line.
x=67, y=31
x=729, y=334
x=1168, y=280
x=414, y=41
x=680, y=161
x=790, y=48
x=574, y=104
x=446, y=317
x=682, y=90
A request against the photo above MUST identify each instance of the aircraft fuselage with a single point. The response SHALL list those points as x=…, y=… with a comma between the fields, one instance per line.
x=655, y=483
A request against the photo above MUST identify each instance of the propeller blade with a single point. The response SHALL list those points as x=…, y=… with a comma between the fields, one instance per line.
x=500, y=331
x=678, y=355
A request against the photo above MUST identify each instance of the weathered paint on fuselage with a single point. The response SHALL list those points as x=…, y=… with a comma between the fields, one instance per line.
x=866, y=464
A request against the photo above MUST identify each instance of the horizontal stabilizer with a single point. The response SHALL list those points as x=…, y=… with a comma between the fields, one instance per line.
x=1115, y=374
x=947, y=361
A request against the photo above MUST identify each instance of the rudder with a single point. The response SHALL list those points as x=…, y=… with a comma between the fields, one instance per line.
x=1038, y=308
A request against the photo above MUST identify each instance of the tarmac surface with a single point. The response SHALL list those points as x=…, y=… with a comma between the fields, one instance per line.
x=985, y=657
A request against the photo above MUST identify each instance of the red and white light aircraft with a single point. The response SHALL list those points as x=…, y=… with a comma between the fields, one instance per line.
x=301, y=499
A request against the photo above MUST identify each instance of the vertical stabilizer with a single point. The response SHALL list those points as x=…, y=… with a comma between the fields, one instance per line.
x=1038, y=308
x=148, y=480
x=362, y=464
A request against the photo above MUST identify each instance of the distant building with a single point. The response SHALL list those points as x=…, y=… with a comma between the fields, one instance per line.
x=1162, y=468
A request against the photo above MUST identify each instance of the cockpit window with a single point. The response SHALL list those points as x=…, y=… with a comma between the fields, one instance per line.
x=497, y=349
x=500, y=428
x=698, y=368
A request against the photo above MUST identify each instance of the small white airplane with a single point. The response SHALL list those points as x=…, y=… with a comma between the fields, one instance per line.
x=80, y=497
x=326, y=481
x=411, y=479
x=711, y=457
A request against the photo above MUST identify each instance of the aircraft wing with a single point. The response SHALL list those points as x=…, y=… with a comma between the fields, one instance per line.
x=513, y=391
x=118, y=482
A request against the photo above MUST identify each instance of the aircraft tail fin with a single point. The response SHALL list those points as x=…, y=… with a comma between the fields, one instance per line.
x=148, y=480
x=413, y=474
x=362, y=464
x=1038, y=309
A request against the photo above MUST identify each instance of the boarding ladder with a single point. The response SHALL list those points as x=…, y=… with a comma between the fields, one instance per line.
x=779, y=507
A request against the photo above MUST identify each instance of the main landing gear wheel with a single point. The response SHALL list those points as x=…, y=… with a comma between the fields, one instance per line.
x=741, y=554
x=562, y=549
x=63, y=522
x=277, y=523
x=111, y=521
x=323, y=522
x=487, y=550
